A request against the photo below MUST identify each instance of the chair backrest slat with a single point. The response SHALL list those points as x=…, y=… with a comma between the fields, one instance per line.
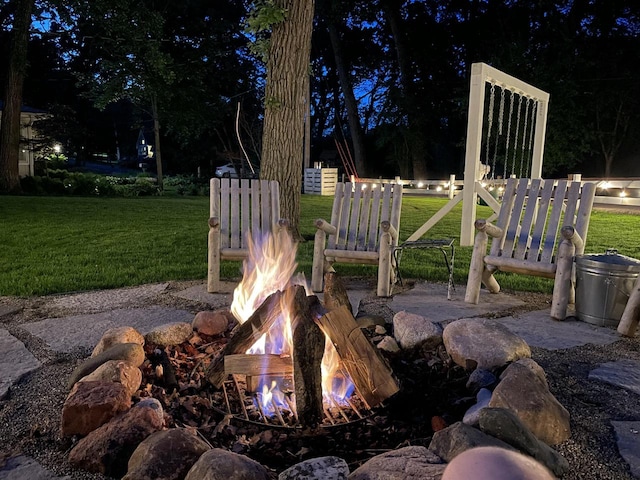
x=357, y=212
x=532, y=213
x=544, y=203
x=553, y=224
x=525, y=235
x=514, y=222
x=243, y=207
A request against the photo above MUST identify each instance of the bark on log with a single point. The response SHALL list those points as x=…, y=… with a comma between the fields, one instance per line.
x=308, y=349
x=335, y=293
x=244, y=336
x=371, y=376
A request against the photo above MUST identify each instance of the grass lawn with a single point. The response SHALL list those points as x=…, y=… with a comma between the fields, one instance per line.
x=63, y=244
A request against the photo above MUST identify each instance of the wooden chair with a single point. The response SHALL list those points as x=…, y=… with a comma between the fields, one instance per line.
x=526, y=234
x=365, y=221
x=239, y=209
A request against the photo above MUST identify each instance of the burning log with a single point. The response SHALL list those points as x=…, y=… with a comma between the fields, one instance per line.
x=256, y=365
x=245, y=335
x=308, y=349
x=370, y=374
x=335, y=293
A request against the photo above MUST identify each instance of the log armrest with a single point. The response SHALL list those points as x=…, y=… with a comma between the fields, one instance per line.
x=325, y=226
x=214, y=222
x=489, y=228
x=386, y=227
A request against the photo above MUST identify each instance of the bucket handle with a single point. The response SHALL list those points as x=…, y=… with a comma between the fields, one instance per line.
x=611, y=251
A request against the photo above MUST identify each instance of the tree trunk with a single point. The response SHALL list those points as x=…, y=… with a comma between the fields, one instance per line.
x=285, y=104
x=353, y=116
x=10, y=122
x=156, y=137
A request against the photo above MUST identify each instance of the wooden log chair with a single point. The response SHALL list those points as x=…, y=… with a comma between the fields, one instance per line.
x=238, y=210
x=526, y=234
x=364, y=226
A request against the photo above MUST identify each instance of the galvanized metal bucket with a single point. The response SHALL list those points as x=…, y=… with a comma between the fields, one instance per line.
x=603, y=285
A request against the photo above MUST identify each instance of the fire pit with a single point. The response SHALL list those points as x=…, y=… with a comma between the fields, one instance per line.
x=291, y=362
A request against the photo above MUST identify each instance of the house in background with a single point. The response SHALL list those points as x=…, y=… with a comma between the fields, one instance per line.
x=28, y=136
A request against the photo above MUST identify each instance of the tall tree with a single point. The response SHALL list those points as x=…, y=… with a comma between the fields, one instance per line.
x=286, y=97
x=10, y=124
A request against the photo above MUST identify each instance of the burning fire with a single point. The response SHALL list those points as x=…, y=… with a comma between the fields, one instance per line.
x=269, y=267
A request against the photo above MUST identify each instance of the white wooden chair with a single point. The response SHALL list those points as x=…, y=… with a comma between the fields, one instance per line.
x=526, y=234
x=365, y=221
x=239, y=209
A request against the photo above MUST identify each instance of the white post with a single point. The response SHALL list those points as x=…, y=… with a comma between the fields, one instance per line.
x=452, y=186
x=472, y=155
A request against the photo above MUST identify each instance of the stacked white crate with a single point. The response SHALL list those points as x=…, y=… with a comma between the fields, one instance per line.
x=320, y=181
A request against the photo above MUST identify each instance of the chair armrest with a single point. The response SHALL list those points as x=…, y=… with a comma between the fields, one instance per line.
x=569, y=233
x=326, y=227
x=489, y=228
x=214, y=222
x=388, y=228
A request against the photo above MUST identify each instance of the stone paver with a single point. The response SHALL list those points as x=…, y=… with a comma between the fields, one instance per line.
x=97, y=301
x=430, y=301
x=26, y=468
x=539, y=330
x=621, y=373
x=628, y=440
x=68, y=333
x=7, y=309
x=15, y=361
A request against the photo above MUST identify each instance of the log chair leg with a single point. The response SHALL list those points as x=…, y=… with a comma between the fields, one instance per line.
x=476, y=268
x=631, y=315
x=213, y=258
x=384, y=266
x=317, y=270
x=562, y=284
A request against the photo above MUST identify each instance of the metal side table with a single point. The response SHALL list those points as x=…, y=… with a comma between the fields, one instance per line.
x=443, y=245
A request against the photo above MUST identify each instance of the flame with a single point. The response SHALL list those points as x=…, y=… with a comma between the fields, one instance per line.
x=270, y=267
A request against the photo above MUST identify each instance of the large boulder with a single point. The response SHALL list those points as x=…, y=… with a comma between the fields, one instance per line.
x=523, y=389
x=165, y=455
x=107, y=449
x=483, y=343
x=408, y=463
x=505, y=425
x=92, y=404
x=459, y=437
x=219, y=464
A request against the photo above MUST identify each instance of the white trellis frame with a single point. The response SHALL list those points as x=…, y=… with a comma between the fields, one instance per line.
x=481, y=75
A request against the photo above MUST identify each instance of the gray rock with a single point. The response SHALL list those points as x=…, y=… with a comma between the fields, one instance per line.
x=218, y=464
x=408, y=463
x=321, y=468
x=505, y=425
x=523, y=391
x=170, y=334
x=453, y=440
x=472, y=416
x=165, y=455
x=481, y=378
x=483, y=342
x=129, y=352
x=414, y=331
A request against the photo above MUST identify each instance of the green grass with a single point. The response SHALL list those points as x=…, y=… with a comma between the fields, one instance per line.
x=63, y=244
